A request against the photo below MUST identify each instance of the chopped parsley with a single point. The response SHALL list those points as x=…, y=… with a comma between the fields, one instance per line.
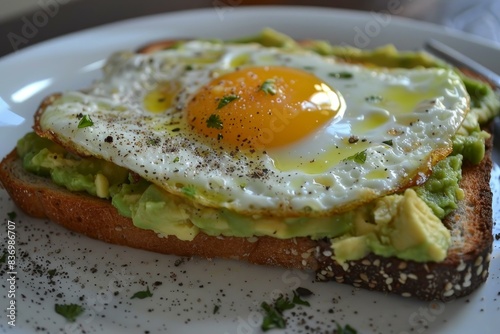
x=69, y=311
x=347, y=329
x=387, y=142
x=176, y=159
x=226, y=100
x=142, y=294
x=189, y=191
x=299, y=301
x=12, y=215
x=340, y=75
x=303, y=292
x=51, y=273
x=85, y=121
x=273, y=317
x=269, y=87
x=153, y=141
x=216, y=309
x=359, y=157
x=374, y=99
x=214, y=121
x=4, y=257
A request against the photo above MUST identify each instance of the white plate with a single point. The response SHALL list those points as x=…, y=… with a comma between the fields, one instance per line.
x=103, y=277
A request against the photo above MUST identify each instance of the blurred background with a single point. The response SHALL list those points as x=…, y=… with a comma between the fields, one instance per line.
x=479, y=17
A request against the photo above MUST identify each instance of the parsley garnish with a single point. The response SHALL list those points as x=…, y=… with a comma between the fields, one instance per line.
x=373, y=98
x=298, y=301
x=12, y=215
x=69, y=311
x=142, y=294
x=274, y=313
x=51, y=273
x=176, y=159
x=226, y=100
x=269, y=87
x=359, y=157
x=341, y=75
x=303, y=292
x=85, y=121
x=387, y=142
x=4, y=257
x=214, y=121
x=153, y=141
x=347, y=329
x=272, y=319
x=216, y=309
x=189, y=191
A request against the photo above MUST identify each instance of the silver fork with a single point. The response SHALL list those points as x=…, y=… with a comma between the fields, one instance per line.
x=458, y=59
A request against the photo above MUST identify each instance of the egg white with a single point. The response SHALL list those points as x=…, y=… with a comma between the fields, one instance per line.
x=400, y=121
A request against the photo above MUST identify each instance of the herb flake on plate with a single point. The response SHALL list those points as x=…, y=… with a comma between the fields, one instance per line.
x=69, y=311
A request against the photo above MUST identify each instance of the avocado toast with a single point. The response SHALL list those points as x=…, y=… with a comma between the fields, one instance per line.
x=463, y=269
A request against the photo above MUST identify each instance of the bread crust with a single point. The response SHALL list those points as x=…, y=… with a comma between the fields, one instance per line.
x=467, y=261
x=98, y=219
x=464, y=269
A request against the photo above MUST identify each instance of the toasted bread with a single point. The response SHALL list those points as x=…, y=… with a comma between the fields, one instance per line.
x=464, y=269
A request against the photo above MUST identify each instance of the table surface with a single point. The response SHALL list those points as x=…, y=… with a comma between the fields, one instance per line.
x=53, y=18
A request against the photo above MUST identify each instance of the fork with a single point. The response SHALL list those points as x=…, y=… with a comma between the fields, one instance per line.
x=458, y=59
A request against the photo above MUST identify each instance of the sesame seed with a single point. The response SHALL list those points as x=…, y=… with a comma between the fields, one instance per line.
x=485, y=273
x=406, y=294
x=479, y=270
x=461, y=266
x=449, y=293
x=479, y=261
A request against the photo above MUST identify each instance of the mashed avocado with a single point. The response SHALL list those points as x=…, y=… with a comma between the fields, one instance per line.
x=407, y=226
x=395, y=225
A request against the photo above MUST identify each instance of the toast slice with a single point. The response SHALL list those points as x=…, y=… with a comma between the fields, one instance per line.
x=464, y=269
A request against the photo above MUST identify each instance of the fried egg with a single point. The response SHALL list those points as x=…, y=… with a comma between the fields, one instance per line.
x=260, y=130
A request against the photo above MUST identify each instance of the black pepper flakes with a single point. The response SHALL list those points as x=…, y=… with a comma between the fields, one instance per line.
x=353, y=139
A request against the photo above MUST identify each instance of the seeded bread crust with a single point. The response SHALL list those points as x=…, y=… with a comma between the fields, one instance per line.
x=464, y=269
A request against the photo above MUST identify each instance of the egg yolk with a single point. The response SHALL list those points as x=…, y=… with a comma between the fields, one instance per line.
x=263, y=107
